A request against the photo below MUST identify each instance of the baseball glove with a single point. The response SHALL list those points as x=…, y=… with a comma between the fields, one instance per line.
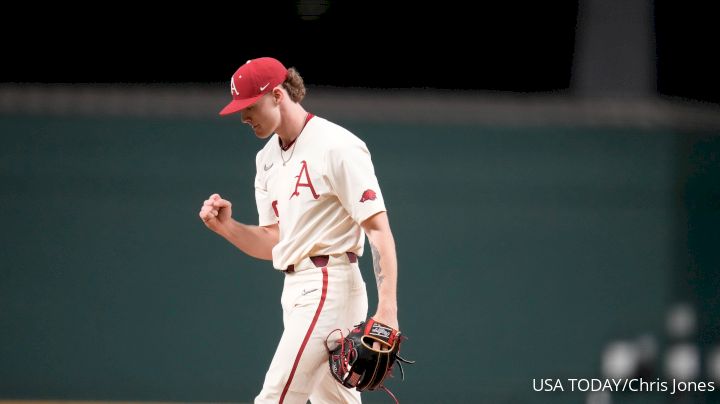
x=355, y=363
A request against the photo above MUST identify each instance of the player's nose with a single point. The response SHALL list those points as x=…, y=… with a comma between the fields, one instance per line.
x=244, y=118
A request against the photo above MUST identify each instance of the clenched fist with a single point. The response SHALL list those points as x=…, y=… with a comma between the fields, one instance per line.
x=215, y=212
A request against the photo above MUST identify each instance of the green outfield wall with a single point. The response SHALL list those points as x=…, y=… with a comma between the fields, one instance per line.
x=523, y=252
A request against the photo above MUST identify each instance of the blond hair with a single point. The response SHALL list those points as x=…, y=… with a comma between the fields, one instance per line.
x=294, y=85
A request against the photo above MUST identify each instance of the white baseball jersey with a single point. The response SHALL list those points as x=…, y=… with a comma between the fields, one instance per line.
x=319, y=191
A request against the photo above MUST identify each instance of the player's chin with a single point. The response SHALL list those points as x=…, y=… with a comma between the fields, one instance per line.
x=262, y=133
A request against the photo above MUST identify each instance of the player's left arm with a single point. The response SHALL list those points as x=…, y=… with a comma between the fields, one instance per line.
x=382, y=243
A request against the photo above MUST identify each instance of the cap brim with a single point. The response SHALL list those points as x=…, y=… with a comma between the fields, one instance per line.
x=237, y=105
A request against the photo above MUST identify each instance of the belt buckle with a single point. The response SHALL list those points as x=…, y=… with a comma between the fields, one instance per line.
x=320, y=260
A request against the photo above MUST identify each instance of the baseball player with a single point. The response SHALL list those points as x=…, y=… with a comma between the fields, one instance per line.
x=317, y=197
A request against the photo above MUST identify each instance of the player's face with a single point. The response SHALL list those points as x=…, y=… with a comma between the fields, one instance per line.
x=263, y=116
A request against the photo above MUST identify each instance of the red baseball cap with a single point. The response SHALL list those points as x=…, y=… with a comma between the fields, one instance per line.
x=252, y=80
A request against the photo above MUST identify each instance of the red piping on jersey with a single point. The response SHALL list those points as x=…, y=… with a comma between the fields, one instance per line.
x=307, y=334
x=285, y=148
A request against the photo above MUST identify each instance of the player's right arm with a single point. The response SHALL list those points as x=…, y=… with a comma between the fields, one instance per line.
x=255, y=241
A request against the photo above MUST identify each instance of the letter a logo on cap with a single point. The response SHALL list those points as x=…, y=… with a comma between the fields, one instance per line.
x=233, y=90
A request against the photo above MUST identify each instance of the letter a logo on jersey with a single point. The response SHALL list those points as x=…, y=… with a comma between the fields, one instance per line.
x=308, y=184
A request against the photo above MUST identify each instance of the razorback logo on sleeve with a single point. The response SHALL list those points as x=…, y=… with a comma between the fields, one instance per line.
x=368, y=195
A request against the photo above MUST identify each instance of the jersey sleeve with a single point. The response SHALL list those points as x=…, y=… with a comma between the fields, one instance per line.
x=263, y=199
x=352, y=175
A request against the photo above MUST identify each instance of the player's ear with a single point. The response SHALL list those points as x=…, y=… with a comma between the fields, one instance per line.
x=278, y=95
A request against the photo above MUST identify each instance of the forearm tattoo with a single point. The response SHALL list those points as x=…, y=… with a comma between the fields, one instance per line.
x=376, y=265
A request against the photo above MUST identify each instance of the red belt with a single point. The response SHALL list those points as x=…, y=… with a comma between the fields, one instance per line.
x=321, y=261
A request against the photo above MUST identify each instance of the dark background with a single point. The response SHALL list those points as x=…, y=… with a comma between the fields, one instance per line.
x=518, y=46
